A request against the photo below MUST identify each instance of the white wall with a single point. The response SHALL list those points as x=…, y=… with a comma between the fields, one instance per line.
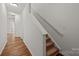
x=65, y=18
x=10, y=23
x=18, y=25
x=32, y=35
x=3, y=26
x=37, y=23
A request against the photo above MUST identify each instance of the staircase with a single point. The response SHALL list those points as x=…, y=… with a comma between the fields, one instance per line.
x=51, y=49
x=15, y=47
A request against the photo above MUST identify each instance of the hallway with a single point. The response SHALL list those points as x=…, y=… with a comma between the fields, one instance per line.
x=15, y=47
x=29, y=23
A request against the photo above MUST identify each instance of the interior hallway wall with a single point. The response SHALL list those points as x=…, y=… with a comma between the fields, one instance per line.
x=18, y=25
x=33, y=37
x=3, y=26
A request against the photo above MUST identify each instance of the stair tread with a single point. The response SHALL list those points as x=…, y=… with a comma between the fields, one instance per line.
x=52, y=51
x=55, y=54
x=49, y=43
x=48, y=39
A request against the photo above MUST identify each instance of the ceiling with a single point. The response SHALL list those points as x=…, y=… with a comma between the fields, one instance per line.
x=15, y=7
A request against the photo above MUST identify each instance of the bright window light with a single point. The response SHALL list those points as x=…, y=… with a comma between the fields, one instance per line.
x=13, y=4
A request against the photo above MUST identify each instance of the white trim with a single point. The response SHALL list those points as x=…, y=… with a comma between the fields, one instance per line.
x=54, y=42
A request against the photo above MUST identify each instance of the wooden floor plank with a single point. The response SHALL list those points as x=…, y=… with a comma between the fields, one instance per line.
x=16, y=47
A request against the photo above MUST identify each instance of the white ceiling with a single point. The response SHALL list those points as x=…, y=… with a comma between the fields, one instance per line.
x=14, y=9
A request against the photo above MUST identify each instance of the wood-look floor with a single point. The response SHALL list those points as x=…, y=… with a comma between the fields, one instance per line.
x=15, y=47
